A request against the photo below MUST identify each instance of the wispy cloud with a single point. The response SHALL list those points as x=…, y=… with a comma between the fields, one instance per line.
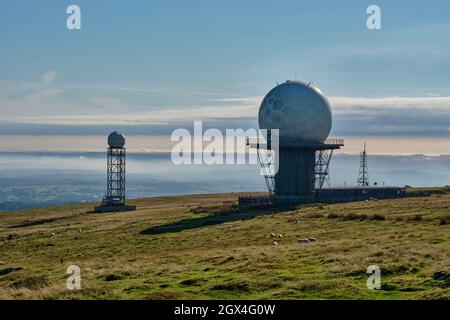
x=40, y=102
x=32, y=100
x=48, y=77
x=168, y=116
x=246, y=100
x=149, y=90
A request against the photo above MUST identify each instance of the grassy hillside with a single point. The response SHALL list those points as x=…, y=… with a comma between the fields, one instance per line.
x=202, y=247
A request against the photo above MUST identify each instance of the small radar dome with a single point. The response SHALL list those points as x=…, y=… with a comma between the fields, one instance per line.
x=116, y=139
x=299, y=110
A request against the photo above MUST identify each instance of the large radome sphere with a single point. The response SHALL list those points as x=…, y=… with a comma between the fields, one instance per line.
x=116, y=139
x=299, y=110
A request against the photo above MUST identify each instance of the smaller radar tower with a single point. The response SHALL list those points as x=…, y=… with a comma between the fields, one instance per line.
x=114, y=199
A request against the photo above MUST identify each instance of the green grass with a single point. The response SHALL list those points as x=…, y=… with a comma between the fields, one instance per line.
x=203, y=247
x=431, y=190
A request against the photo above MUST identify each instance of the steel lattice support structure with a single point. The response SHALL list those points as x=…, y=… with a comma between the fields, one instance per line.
x=266, y=162
x=115, y=183
x=363, y=178
x=323, y=158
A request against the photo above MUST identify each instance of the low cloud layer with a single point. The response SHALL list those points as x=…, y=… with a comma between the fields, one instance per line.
x=424, y=115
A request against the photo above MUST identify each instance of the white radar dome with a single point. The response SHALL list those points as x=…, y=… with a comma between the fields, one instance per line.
x=116, y=139
x=299, y=110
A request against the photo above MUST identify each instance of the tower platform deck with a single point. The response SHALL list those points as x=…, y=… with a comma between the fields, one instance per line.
x=328, y=144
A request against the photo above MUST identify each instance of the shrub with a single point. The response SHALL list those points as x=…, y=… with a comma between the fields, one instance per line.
x=353, y=216
x=314, y=215
x=200, y=209
x=417, y=217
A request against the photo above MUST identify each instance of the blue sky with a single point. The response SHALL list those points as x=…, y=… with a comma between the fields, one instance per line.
x=141, y=60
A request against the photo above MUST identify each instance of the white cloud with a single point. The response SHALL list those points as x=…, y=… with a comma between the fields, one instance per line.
x=109, y=103
x=427, y=105
x=352, y=115
x=48, y=77
x=33, y=100
x=166, y=116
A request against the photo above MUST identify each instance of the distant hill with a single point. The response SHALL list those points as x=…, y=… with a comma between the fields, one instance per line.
x=204, y=247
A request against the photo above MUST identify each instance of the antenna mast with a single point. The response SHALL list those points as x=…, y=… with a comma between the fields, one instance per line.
x=363, y=179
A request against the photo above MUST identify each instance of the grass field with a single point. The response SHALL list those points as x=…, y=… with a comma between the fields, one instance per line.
x=202, y=247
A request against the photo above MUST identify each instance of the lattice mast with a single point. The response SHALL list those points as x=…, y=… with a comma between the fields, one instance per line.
x=115, y=170
x=115, y=182
x=363, y=178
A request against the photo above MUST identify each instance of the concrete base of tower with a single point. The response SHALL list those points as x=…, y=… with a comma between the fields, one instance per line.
x=295, y=179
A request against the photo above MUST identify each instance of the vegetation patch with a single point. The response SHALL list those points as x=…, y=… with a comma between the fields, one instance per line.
x=417, y=217
x=114, y=276
x=231, y=286
x=6, y=271
x=353, y=216
x=356, y=216
x=31, y=283
x=192, y=282
x=163, y=251
x=33, y=223
x=163, y=295
x=379, y=217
